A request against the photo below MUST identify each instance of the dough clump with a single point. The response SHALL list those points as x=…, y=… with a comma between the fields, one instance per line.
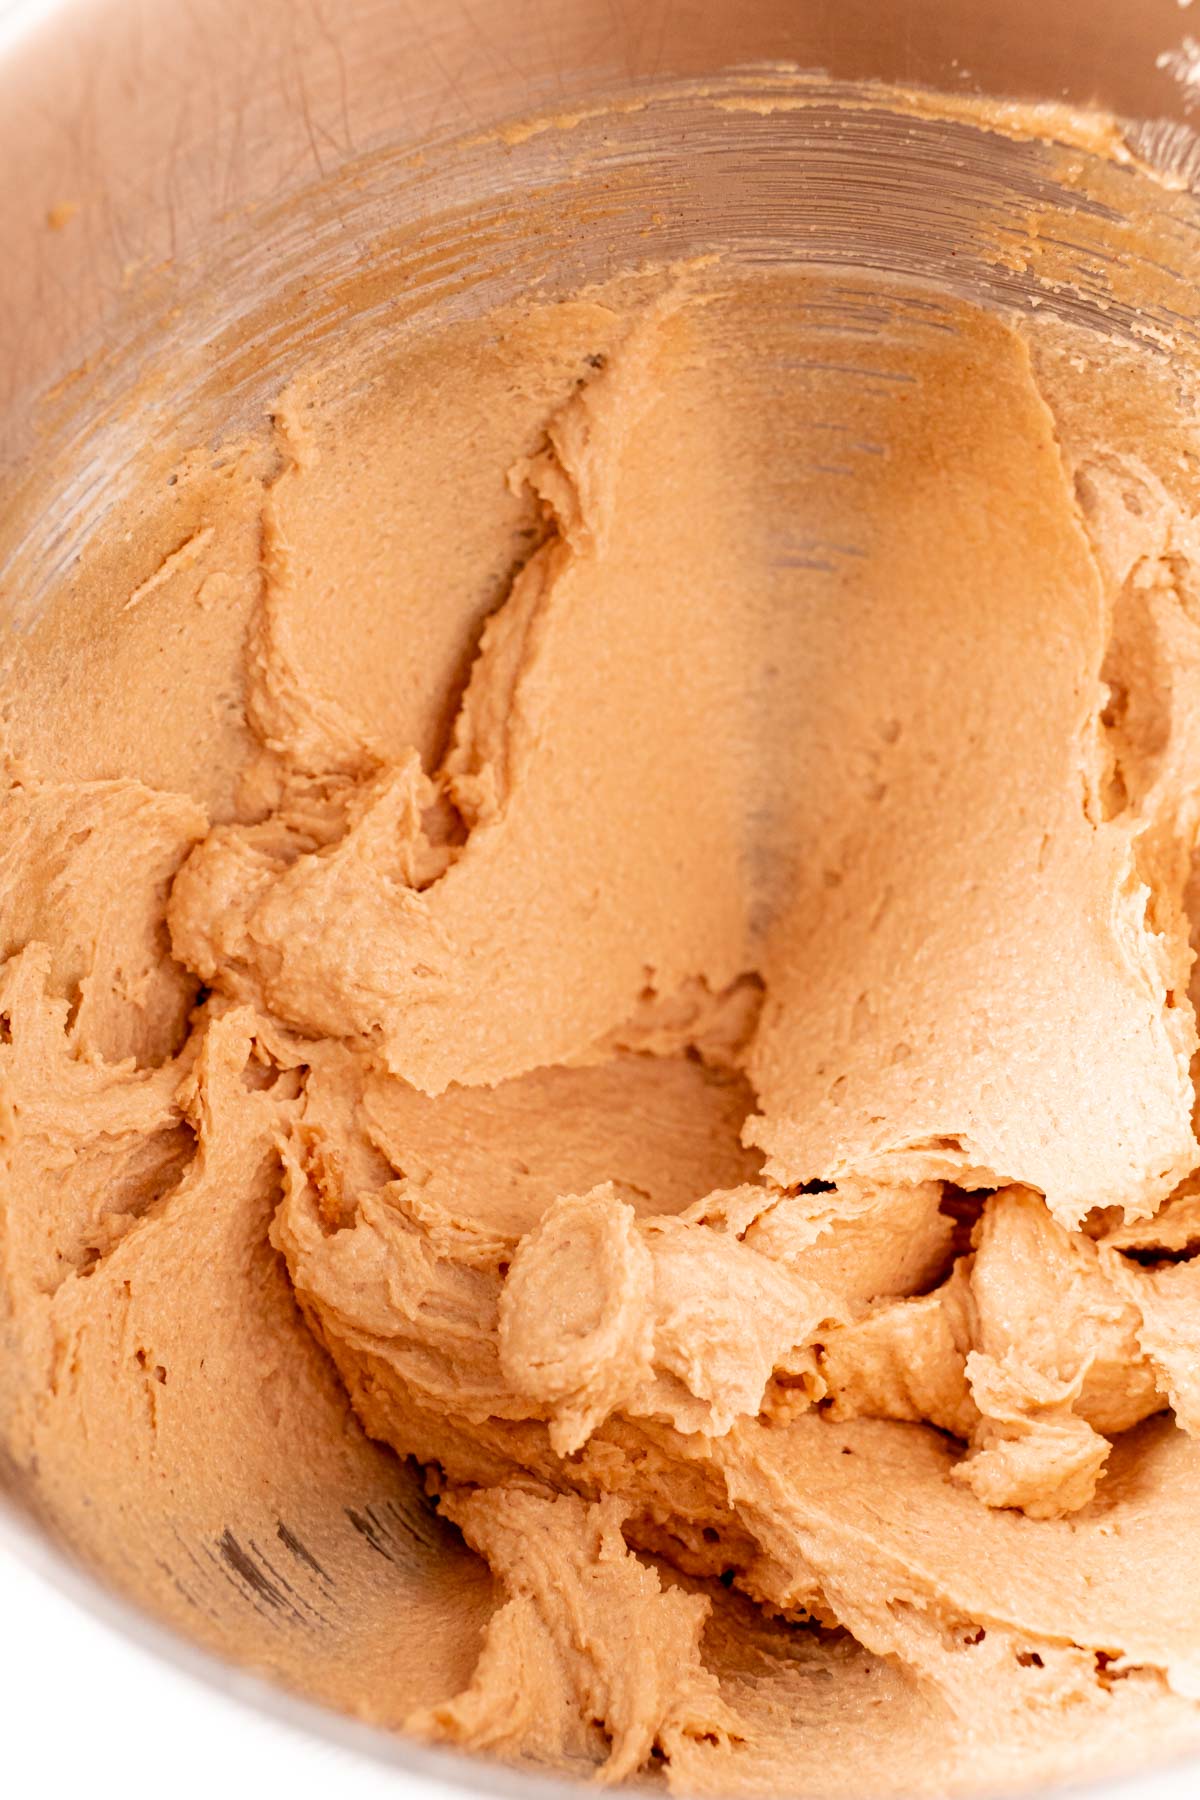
x=699, y=1021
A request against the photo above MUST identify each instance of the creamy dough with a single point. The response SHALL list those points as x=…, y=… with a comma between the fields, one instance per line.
x=676, y=957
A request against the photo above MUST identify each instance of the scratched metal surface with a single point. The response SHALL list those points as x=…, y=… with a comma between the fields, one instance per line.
x=165, y=120
x=205, y=336
x=191, y=192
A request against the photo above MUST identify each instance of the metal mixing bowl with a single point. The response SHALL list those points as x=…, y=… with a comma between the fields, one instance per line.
x=191, y=194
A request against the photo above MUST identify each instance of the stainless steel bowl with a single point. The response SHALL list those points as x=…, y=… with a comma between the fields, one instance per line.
x=197, y=195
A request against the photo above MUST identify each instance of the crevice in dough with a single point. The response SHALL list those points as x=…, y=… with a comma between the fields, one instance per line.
x=1159, y=1256
x=348, y=831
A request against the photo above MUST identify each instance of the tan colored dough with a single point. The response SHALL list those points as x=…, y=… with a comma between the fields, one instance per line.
x=666, y=1000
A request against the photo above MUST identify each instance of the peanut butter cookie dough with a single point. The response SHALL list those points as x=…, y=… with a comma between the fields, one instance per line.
x=659, y=921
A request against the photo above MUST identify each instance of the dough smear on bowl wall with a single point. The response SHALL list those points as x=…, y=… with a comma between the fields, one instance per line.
x=596, y=903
